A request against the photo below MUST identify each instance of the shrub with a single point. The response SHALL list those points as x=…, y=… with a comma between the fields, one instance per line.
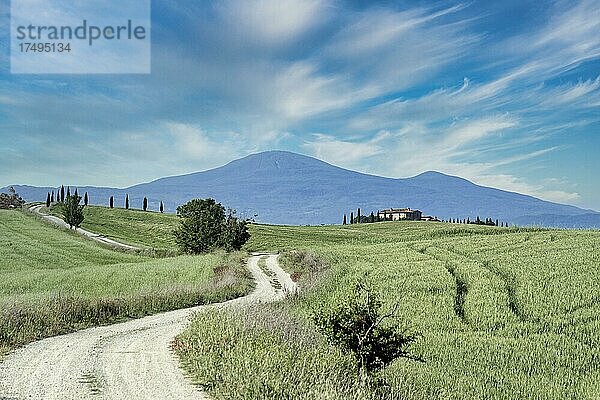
x=358, y=325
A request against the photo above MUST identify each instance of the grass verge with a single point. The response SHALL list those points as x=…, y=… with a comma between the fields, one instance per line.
x=53, y=281
x=262, y=352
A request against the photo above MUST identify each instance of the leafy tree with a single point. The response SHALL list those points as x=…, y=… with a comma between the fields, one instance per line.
x=73, y=211
x=205, y=227
x=48, y=200
x=236, y=232
x=162, y=207
x=145, y=204
x=127, y=202
x=111, y=202
x=11, y=199
x=344, y=223
x=372, y=217
x=357, y=324
x=85, y=199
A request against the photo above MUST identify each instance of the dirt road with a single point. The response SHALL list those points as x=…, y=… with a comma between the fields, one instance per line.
x=94, y=236
x=130, y=360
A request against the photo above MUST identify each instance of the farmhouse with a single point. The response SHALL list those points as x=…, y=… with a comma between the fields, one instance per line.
x=397, y=214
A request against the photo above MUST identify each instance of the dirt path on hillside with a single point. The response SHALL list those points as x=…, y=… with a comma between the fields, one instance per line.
x=130, y=360
x=37, y=209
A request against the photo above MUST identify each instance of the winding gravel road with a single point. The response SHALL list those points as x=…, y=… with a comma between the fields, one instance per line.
x=37, y=209
x=125, y=361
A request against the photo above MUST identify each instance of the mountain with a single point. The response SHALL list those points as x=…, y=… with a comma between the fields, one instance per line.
x=288, y=188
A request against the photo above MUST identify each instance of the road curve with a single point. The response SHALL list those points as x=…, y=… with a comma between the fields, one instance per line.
x=36, y=209
x=125, y=361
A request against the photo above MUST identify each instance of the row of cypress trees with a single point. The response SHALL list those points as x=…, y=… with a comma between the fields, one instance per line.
x=361, y=219
x=111, y=203
x=62, y=195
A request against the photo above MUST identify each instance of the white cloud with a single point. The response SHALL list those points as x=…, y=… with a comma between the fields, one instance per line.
x=570, y=93
x=514, y=184
x=345, y=152
x=273, y=22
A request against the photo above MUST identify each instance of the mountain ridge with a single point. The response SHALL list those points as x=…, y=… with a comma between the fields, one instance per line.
x=288, y=188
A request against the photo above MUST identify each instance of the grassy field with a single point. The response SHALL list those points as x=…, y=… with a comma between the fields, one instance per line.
x=53, y=281
x=135, y=227
x=500, y=313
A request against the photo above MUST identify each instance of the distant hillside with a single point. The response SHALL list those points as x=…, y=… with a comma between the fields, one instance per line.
x=288, y=188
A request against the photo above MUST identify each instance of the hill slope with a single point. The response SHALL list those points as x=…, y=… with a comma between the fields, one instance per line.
x=288, y=188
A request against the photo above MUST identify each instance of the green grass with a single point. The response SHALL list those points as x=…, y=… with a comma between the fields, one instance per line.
x=54, y=281
x=501, y=313
x=135, y=227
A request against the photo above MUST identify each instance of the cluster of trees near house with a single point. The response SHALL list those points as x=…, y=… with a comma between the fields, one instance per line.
x=61, y=196
x=361, y=219
x=372, y=218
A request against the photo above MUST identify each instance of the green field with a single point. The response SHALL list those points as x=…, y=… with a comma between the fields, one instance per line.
x=135, y=227
x=53, y=281
x=500, y=313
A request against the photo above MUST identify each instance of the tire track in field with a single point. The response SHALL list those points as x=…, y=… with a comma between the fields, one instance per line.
x=461, y=286
x=509, y=279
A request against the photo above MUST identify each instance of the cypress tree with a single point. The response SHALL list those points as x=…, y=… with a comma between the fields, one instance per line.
x=68, y=192
x=127, y=202
x=162, y=207
x=358, y=215
x=76, y=194
x=85, y=199
x=111, y=202
x=351, y=218
x=372, y=217
x=468, y=220
x=52, y=197
x=48, y=200
x=344, y=223
x=62, y=193
x=145, y=204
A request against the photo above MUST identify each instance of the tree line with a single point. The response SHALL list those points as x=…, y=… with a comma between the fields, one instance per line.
x=62, y=194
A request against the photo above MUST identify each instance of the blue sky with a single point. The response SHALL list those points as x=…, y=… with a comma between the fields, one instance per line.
x=506, y=94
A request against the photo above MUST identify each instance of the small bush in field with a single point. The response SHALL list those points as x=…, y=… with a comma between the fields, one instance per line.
x=358, y=325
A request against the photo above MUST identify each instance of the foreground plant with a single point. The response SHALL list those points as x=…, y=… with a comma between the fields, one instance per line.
x=358, y=325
